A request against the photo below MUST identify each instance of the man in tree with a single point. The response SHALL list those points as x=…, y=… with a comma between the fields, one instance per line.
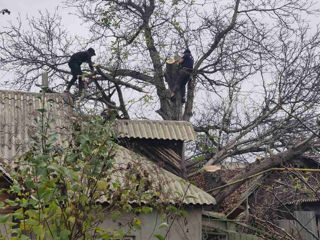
x=184, y=76
x=5, y=11
x=75, y=65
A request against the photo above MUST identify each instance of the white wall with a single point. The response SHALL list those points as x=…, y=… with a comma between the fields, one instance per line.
x=183, y=228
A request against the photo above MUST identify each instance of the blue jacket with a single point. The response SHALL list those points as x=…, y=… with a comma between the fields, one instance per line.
x=187, y=61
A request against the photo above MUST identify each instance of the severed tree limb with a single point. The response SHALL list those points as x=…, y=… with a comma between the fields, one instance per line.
x=129, y=73
x=117, y=81
x=267, y=163
x=266, y=171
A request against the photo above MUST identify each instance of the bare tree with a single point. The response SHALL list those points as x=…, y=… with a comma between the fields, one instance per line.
x=39, y=44
x=273, y=123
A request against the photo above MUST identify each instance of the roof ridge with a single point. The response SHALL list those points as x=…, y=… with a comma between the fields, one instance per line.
x=195, y=195
x=149, y=120
x=156, y=129
x=25, y=92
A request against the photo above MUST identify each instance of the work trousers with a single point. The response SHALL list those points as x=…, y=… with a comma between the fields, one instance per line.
x=183, y=78
x=75, y=71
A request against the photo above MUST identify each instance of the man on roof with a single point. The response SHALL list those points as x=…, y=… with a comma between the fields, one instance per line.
x=75, y=65
x=184, y=76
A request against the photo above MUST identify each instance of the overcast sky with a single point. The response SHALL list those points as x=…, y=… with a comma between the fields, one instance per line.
x=70, y=22
x=32, y=7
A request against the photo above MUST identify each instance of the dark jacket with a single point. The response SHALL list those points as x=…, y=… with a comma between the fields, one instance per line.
x=81, y=57
x=187, y=61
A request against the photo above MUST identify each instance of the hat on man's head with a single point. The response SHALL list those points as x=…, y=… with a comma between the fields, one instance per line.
x=187, y=51
x=91, y=51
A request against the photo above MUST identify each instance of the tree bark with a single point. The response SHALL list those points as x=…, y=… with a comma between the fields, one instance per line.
x=190, y=97
x=174, y=111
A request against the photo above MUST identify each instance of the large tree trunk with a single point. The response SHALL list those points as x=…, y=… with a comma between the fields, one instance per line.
x=171, y=76
x=172, y=110
x=190, y=96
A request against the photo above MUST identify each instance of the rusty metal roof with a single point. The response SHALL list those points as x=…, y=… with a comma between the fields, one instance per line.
x=156, y=129
x=17, y=113
x=174, y=189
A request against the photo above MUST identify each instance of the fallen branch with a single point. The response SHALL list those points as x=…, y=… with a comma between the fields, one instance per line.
x=265, y=171
x=264, y=166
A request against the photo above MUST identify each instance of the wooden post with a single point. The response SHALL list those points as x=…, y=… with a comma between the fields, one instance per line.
x=183, y=162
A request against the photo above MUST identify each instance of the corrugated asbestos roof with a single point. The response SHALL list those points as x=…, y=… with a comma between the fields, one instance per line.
x=173, y=188
x=156, y=129
x=17, y=113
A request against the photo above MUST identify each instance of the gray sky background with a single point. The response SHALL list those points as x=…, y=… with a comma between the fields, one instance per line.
x=74, y=25
x=70, y=22
x=32, y=7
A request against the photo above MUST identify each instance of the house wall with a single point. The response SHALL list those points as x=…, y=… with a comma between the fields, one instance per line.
x=183, y=228
x=224, y=229
x=4, y=229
